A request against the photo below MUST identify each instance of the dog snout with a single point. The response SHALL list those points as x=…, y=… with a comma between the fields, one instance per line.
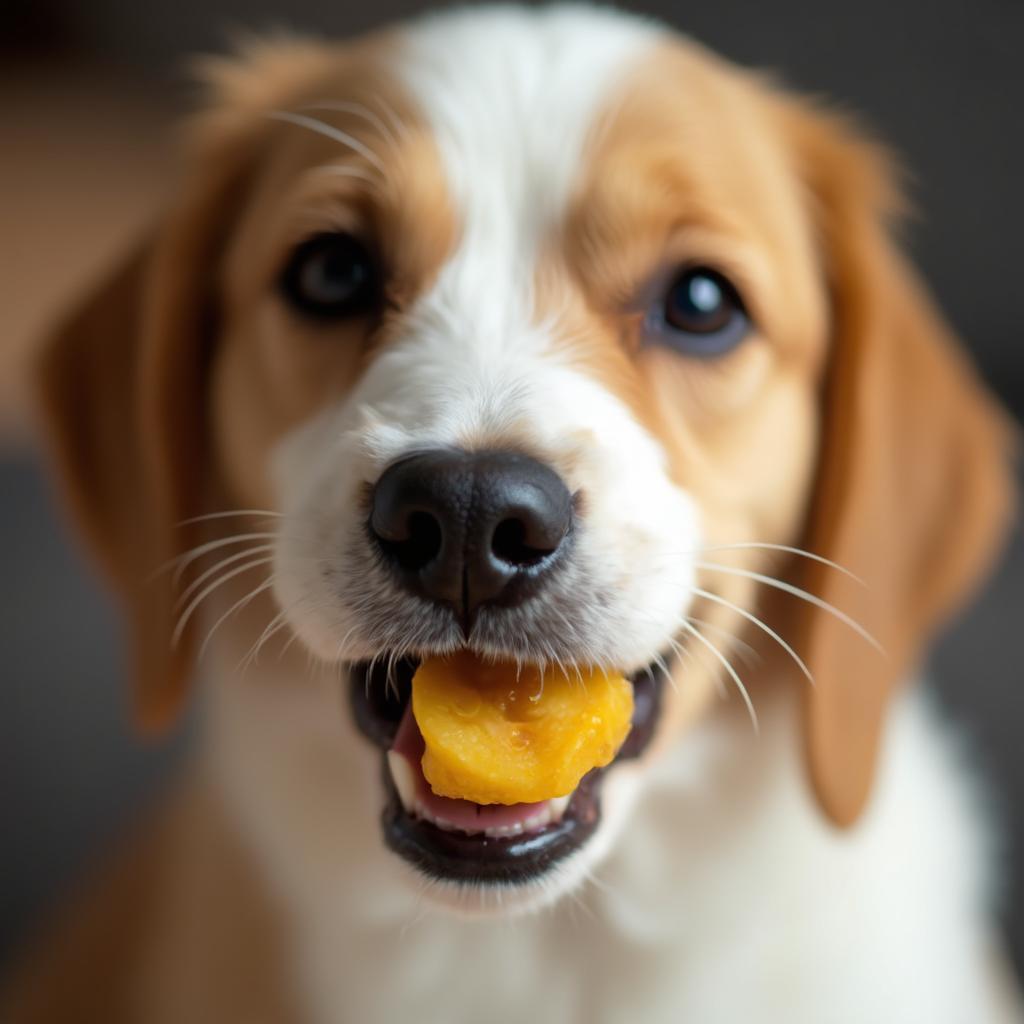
x=471, y=528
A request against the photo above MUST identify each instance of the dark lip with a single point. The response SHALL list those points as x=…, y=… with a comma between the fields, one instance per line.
x=476, y=859
x=480, y=860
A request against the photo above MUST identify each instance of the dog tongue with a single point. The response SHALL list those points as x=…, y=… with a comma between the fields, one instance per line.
x=463, y=815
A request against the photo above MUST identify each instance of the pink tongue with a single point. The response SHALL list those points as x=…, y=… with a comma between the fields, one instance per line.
x=462, y=814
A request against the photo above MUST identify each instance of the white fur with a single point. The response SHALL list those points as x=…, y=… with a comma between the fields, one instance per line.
x=730, y=900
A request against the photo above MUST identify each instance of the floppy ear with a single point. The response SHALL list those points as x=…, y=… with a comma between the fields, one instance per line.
x=123, y=405
x=123, y=382
x=914, y=485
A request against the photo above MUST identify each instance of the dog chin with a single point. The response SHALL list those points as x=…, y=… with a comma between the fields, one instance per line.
x=475, y=901
x=482, y=901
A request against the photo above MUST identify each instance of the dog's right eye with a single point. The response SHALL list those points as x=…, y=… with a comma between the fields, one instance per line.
x=330, y=276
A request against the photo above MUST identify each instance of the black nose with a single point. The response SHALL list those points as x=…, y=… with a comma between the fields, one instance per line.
x=469, y=529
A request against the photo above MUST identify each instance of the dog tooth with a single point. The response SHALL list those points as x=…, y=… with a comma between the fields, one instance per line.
x=404, y=778
x=538, y=820
x=504, y=831
x=557, y=806
x=443, y=824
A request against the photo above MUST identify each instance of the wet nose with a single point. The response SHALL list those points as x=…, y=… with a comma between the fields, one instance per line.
x=471, y=528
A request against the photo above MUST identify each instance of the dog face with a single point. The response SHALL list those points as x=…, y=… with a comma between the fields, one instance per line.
x=554, y=365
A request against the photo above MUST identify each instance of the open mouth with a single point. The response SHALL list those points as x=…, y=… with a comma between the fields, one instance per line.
x=467, y=842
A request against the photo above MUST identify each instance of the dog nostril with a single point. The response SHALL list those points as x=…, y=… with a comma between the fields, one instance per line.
x=510, y=544
x=421, y=545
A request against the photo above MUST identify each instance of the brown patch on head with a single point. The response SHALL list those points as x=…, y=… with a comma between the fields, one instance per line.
x=700, y=164
x=166, y=391
x=276, y=367
x=667, y=183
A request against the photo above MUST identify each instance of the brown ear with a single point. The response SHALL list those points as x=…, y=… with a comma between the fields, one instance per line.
x=123, y=401
x=123, y=383
x=92, y=406
x=914, y=486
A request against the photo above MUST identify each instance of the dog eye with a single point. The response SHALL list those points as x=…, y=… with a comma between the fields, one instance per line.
x=331, y=275
x=701, y=314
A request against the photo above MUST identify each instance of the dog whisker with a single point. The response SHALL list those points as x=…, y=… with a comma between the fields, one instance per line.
x=750, y=654
x=663, y=665
x=279, y=622
x=601, y=884
x=341, y=645
x=288, y=643
x=765, y=546
x=373, y=664
x=422, y=908
x=314, y=124
x=348, y=171
x=237, y=606
x=692, y=656
x=690, y=628
x=392, y=115
x=357, y=110
x=801, y=552
x=252, y=655
x=196, y=601
x=750, y=617
x=789, y=588
x=575, y=639
x=230, y=514
x=260, y=549
x=578, y=901
x=683, y=653
x=390, y=683
x=182, y=561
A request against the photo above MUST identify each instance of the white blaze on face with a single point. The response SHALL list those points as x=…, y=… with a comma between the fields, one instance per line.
x=510, y=97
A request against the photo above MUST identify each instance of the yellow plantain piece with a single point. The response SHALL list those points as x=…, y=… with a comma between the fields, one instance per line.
x=497, y=737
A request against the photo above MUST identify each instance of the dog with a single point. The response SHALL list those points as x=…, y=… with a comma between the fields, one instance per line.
x=546, y=335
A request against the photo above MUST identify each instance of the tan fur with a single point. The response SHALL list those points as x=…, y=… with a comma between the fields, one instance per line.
x=273, y=369
x=913, y=493
x=665, y=188
x=178, y=927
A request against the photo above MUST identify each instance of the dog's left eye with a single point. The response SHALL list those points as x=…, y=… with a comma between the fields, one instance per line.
x=701, y=314
x=331, y=275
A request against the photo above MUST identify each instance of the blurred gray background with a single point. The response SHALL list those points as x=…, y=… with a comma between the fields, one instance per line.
x=87, y=92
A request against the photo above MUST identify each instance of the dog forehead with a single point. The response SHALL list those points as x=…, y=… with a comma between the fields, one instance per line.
x=510, y=96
